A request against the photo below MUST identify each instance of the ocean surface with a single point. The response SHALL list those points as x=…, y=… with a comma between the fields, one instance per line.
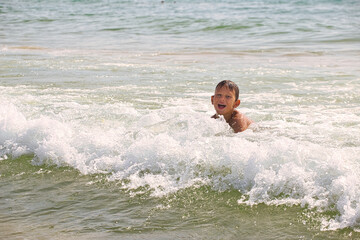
x=106, y=128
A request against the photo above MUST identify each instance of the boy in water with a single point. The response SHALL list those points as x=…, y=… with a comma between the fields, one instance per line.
x=225, y=100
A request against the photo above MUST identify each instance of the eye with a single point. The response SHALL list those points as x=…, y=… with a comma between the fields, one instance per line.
x=228, y=97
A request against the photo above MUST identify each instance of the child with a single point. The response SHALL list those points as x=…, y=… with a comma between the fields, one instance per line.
x=225, y=100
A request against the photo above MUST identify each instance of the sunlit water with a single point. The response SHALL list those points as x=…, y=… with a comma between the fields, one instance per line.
x=105, y=127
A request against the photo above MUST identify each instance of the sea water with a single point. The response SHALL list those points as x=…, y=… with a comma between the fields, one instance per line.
x=106, y=128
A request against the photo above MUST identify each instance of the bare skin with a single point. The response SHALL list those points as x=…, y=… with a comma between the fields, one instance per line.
x=224, y=102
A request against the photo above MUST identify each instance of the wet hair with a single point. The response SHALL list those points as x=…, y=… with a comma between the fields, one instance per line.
x=231, y=86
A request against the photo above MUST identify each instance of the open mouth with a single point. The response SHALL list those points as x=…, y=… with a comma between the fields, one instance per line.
x=221, y=106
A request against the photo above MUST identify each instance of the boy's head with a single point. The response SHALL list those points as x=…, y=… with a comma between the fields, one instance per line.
x=226, y=98
x=230, y=85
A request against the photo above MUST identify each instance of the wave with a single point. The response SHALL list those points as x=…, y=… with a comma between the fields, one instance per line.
x=167, y=150
x=226, y=27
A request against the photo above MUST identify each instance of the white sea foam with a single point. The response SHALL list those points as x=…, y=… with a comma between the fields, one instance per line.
x=174, y=148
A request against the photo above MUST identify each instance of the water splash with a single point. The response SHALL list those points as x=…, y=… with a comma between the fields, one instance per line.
x=170, y=149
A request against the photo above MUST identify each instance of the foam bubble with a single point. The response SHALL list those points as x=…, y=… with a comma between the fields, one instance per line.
x=173, y=148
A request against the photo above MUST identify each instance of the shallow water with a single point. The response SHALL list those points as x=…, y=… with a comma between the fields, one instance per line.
x=105, y=127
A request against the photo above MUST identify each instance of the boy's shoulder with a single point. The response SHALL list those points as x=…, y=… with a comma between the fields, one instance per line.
x=239, y=122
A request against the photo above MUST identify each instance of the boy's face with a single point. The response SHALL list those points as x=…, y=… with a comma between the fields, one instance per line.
x=224, y=101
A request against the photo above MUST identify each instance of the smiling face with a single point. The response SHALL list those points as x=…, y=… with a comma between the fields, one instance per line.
x=224, y=102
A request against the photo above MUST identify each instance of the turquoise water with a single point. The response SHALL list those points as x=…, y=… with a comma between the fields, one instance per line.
x=105, y=128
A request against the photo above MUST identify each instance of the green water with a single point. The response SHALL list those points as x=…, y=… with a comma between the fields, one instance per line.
x=44, y=202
